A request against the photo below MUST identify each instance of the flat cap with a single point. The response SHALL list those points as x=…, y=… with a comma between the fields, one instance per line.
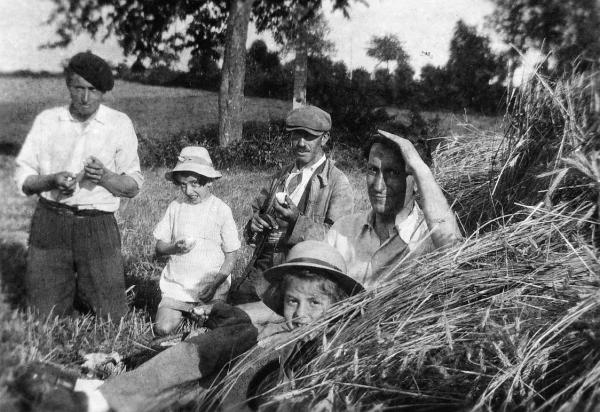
x=93, y=69
x=310, y=119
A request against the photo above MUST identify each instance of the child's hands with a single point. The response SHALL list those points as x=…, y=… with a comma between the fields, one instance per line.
x=183, y=246
x=202, y=312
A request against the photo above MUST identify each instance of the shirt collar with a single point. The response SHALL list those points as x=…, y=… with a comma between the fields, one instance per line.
x=100, y=115
x=309, y=170
x=405, y=228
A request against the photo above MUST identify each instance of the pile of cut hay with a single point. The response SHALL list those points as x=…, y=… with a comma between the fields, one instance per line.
x=507, y=320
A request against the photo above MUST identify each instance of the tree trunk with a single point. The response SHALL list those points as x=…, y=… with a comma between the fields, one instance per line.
x=300, y=72
x=231, y=92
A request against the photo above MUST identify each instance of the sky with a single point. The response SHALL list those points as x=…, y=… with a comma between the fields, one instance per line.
x=424, y=26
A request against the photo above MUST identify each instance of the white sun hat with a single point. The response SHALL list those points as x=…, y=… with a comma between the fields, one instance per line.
x=315, y=256
x=194, y=159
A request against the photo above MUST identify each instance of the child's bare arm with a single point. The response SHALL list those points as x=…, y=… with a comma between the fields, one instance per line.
x=224, y=271
x=176, y=248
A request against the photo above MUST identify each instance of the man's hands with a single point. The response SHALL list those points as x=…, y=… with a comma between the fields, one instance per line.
x=64, y=182
x=411, y=157
x=287, y=211
x=261, y=222
x=94, y=170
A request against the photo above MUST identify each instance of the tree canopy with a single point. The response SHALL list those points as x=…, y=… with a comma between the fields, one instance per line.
x=568, y=29
x=155, y=30
x=161, y=30
x=386, y=48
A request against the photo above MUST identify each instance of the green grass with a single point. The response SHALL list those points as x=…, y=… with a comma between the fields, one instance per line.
x=155, y=111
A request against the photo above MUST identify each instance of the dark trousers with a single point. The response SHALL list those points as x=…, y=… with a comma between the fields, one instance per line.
x=75, y=255
x=198, y=360
x=244, y=290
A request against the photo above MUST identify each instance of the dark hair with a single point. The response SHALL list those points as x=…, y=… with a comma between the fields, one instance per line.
x=420, y=144
x=185, y=173
x=326, y=285
x=68, y=73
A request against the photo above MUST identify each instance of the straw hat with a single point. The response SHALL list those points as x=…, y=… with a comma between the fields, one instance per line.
x=194, y=159
x=317, y=257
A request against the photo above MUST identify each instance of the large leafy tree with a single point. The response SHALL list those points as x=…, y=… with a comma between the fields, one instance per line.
x=385, y=49
x=472, y=68
x=303, y=33
x=150, y=29
x=568, y=29
x=389, y=48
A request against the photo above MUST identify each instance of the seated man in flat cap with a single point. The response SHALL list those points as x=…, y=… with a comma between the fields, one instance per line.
x=79, y=159
x=304, y=199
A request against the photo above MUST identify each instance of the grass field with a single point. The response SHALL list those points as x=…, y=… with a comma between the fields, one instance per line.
x=155, y=111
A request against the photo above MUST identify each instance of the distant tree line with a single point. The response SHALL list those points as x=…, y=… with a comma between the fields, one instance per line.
x=471, y=80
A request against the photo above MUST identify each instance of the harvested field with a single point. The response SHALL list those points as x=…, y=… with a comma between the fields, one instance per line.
x=506, y=320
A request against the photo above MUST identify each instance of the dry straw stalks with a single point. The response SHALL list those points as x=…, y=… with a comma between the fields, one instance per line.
x=507, y=320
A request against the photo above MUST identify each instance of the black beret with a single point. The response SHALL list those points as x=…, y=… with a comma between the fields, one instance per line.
x=93, y=69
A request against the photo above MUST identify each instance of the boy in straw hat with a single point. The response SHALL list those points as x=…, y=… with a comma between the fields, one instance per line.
x=301, y=290
x=200, y=237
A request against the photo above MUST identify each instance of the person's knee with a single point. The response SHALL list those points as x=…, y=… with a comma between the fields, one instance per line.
x=166, y=322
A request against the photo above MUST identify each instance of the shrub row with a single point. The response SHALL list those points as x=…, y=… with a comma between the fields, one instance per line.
x=265, y=144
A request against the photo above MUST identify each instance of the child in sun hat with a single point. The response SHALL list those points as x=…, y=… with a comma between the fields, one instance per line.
x=200, y=237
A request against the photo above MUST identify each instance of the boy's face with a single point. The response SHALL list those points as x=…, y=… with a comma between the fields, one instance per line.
x=304, y=302
x=195, y=189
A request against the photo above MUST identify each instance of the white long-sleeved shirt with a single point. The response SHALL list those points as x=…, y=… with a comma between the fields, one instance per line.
x=58, y=142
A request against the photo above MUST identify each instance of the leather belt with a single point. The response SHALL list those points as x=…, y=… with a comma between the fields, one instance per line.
x=63, y=209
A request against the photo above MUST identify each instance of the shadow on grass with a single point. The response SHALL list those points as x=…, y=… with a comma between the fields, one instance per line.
x=141, y=278
x=13, y=255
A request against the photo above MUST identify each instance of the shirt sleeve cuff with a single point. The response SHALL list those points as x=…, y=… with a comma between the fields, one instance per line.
x=21, y=174
x=137, y=176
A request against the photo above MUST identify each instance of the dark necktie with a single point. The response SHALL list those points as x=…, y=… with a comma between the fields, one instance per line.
x=293, y=184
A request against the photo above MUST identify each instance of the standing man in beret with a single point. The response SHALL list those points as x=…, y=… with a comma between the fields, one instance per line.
x=304, y=199
x=79, y=159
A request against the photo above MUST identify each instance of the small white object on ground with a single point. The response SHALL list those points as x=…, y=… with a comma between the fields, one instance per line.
x=94, y=360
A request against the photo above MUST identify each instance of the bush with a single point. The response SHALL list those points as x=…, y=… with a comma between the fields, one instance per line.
x=263, y=144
